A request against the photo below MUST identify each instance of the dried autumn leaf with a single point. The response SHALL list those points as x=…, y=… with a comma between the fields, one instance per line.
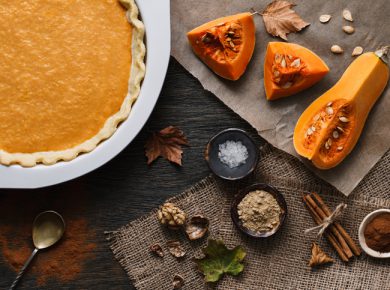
x=279, y=19
x=219, y=260
x=318, y=256
x=166, y=143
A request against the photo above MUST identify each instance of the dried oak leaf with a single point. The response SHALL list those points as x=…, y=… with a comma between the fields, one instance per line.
x=279, y=19
x=219, y=260
x=318, y=256
x=166, y=143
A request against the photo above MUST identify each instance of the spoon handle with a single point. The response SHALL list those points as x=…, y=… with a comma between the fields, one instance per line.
x=20, y=274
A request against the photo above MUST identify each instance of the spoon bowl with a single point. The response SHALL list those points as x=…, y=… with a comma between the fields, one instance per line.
x=48, y=229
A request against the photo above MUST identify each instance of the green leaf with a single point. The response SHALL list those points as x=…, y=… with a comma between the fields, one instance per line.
x=219, y=260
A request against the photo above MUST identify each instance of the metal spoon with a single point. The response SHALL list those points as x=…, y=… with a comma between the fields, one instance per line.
x=48, y=228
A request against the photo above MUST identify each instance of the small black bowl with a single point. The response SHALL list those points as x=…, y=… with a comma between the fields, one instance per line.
x=222, y=170
x=258, y=186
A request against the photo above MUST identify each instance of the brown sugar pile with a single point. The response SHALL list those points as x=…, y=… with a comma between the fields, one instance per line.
x=62, y=262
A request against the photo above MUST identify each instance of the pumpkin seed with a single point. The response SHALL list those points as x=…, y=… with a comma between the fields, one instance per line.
x=313, y=128
x=309, y=131
x=206, y=38
x=329, y=104
x=329, y=110
x=340, y=129
x=348, y=29
x=296, y=63
x=289, y=56
x=358, y=50
x=277, y=58
x=325, y=18
x=336, y=49
x=327, y=145
x=316, y=118
x=276, y=73
x=329, y=142
x=287, y=85
x=340, y=148
x=336, y=134
x=283, y=62
x=347, y=15
x=231, y=33
x=344, y=119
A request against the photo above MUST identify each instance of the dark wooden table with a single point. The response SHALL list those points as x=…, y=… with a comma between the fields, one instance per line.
x=125, y=188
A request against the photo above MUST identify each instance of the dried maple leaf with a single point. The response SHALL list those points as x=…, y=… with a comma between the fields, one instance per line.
x=318, y=256
x=219, y=260
x=166, y=143
x=279, y=19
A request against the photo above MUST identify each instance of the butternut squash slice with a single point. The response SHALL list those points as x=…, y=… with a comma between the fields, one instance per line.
x=329, y=128
x=226, y=44
x=290, y=68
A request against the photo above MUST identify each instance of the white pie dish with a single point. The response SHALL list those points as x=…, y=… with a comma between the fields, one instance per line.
x=362, y=239
x=156, y=17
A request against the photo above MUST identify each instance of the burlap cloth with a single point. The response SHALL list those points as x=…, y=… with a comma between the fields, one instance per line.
x=279, y=262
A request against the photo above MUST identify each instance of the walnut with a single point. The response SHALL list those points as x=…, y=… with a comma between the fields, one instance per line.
x=178, y=281
x=176, y=249
x=171, y=216
x=156, y=249
x=197, y=227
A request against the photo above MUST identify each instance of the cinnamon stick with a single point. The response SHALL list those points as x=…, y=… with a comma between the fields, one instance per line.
x=330, y=237
x=332, y=228
x=355, y=249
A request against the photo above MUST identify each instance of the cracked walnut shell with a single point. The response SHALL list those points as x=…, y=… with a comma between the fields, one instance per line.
x=171, y=216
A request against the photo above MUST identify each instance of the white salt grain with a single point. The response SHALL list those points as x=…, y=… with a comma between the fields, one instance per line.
x=232, y=153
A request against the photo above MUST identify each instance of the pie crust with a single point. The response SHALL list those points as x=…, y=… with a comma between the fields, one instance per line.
x=137, y=73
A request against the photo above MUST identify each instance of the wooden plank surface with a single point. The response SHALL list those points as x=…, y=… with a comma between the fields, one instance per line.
x=123, y=189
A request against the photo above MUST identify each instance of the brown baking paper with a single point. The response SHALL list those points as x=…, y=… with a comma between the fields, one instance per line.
x=275, y=121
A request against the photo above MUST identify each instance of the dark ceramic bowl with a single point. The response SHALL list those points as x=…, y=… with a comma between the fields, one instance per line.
x=258, y=186
x=222, y=170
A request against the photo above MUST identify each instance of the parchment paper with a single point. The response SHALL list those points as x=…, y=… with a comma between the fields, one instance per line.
x=275, y=121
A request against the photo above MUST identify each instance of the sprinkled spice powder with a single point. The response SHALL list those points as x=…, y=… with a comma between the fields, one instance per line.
x=259, y=211
x=232, y=153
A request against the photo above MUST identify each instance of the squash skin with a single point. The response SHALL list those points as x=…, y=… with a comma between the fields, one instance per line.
x=358, y=89
x=314, y=69
x=230, y=69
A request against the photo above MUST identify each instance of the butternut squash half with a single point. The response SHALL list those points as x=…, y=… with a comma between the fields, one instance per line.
x=329, y=128
x=290, y=68
x=226, y=44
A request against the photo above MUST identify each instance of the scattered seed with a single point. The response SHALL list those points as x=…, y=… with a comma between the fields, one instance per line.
x=348, y=29
x=347, y=15
x=289, y=56
x=296, y=63
x=358, y=50
x=313, y=128
x=340, y=148
x=231, y=33
x=344, y=119
x=329, y=142
x=287, y=85
x=336, y=134
x=336, y=49
x=309, y=131
x=232, y=44
x=283, y=62
x=329, y=110
x=277, y=58
x=316, y=118
x=329, y=104
x=325, y=18
x=340, y=129
x=276, y=73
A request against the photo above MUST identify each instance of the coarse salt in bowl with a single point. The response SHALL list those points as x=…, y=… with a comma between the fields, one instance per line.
x=232, y=154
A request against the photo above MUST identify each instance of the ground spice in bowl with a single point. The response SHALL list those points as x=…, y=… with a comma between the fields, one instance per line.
x=377, y=233
x=259, y=211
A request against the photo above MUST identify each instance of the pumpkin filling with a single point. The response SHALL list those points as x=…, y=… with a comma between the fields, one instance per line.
x=64, y=71
x=287, y=70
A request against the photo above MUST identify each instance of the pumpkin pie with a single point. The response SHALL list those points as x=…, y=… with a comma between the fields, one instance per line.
x=70, y=72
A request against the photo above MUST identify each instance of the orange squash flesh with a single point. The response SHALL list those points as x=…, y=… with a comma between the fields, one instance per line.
x=290, y=68
x=226, y=44
x=330, y=127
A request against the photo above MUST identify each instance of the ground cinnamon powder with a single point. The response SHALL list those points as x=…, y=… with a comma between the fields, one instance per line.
x=377, y=233
x=62, y=262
